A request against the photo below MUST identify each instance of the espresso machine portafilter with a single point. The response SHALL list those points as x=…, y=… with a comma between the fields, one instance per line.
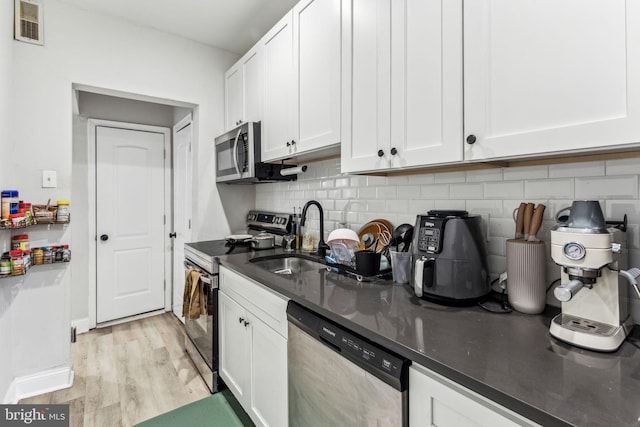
x=594, y=289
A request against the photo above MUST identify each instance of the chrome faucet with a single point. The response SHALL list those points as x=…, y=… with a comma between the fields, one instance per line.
x=322, y=246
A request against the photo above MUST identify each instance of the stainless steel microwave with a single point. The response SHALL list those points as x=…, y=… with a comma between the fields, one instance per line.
x=238, y=157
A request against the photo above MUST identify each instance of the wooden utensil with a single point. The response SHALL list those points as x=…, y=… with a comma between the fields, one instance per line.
x=528, y=214
x=520, y=221
x=536, y=222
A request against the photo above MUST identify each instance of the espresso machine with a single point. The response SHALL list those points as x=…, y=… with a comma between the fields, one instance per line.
x=594, y=289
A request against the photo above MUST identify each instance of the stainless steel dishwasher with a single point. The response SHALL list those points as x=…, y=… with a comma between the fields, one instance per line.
x=337, y=378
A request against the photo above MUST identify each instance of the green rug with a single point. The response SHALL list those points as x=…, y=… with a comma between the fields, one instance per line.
x=214, y=411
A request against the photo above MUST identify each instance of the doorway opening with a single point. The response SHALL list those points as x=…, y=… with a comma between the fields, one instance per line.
x=110, y=115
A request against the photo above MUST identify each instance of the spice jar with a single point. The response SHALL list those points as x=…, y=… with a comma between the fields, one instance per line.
x=57, y=253
x=47, y=257
x=21, y=242
x=17, y=262
x=66, y=253
x=38, y=256
x=25, y=208
x=63, y=211
x=5, y=264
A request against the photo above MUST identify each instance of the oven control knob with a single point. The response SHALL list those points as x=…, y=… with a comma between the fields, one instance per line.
x=104, y=237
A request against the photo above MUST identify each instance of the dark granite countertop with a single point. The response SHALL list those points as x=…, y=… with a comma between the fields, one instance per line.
x=508, y=358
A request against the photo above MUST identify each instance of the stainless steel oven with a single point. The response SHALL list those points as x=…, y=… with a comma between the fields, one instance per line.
x=201, y=342
x=202, y=339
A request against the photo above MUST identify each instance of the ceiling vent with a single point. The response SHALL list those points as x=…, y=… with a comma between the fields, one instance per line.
x=28, y=26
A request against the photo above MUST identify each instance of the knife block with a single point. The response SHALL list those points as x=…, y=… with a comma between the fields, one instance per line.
x=526, y=286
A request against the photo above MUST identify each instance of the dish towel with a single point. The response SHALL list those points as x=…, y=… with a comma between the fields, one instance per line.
x=193, y=301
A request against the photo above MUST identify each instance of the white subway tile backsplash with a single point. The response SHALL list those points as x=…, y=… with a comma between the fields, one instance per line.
x=616, y=210
x=434, y=191
x=458, y=205
x=504, y=190
x=549, y=189
x=525, y=172
x=349, y=193
x=484, y=175
x=466, y=191
x=502, y=227
x=493, y=193
x=343, y=182
x=386, y=192
x=367, y=192
x=628, y=166
x=609, y=187
x=572, y=170
x=492, y=207
x=450, y=177
x=422, y=179
x=421, y=206
x=408, y=191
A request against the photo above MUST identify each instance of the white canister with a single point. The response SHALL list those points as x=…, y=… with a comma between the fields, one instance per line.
x=526, y=276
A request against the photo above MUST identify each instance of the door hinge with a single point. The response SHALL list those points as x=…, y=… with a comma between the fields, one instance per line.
x=165, y=284
x=164, y=220
x=164, y=153
x=73, y=334
x=189, y=224
x=189, y=147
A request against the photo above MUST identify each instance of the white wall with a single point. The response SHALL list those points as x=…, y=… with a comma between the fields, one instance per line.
x=495, y=193
x=84, y=48
x=6, y=288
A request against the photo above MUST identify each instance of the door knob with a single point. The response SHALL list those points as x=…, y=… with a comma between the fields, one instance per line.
x=471, y=139
x=380, y=153
x=288, y=144
x=172, y=235
x=394, y=151
x=104, y=237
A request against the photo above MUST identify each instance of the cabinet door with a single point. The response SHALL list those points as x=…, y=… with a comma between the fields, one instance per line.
x=436, y=401
x=317, y=65
x=252, y=84
x=234, y=348
x=280, y=107
x=550, y=75
x=426, y=85
x=269, y=397
x=402, y=84
x=233, y=96
x=366, y=85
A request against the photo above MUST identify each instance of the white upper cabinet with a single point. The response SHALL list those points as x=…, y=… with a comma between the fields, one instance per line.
x=402, y=84
x=243, y=90
x=302, y=81
x=317, y=61
x=280, y=106
x=550, y=76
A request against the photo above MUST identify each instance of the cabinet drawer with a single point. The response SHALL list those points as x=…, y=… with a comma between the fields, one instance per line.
x=261, y=301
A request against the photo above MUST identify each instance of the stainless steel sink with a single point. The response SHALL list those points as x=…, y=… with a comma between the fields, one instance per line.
x=288, y=264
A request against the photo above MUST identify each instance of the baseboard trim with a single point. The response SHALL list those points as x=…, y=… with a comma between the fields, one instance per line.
x=42, y=382
x=81, y=325
x=10, y=397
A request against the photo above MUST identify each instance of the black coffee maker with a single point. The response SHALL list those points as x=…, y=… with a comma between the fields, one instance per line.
x=450, y=258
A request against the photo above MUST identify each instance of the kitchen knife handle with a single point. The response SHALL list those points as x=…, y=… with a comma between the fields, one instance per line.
x=536, y=221
x=528, y=214
x=520, y=221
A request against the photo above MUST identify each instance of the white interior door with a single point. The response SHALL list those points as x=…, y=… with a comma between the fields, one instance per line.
x=182, y=133
x=130, y=216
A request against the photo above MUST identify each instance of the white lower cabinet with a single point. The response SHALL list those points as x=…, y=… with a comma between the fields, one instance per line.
x=253, y=348
x=436, y=401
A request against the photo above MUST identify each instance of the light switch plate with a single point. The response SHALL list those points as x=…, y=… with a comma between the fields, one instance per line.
x=49, y=179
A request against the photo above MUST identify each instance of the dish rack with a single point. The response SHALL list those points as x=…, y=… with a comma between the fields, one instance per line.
x=350, y=270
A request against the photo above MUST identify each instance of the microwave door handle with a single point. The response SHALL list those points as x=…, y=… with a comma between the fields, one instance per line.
x=235, y=151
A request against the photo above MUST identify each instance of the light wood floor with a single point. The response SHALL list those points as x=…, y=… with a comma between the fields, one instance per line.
x=127, y=373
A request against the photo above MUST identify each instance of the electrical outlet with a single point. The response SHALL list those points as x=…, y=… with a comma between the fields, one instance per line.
x=49, y=179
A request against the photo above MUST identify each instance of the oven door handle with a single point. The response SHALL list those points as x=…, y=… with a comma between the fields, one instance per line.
x=204, y=276
x=235, y=151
